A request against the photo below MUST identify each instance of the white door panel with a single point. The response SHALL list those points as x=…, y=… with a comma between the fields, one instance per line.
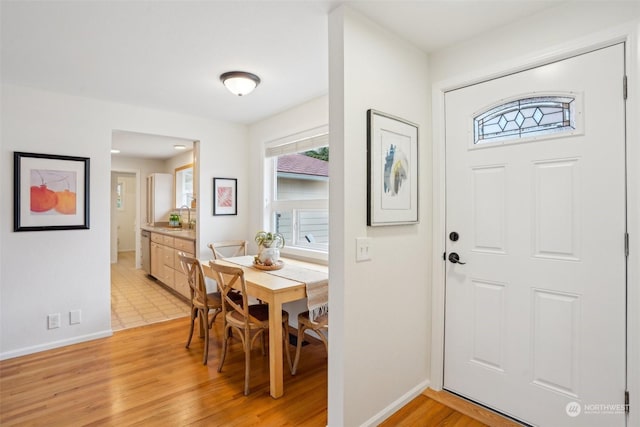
x=535, y=319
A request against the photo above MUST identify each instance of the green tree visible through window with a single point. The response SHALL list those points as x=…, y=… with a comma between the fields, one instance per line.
x=321, y=153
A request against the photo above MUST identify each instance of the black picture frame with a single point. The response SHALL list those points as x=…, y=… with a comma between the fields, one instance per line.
x=225, y=196
x=50, y=192
x=392, y=170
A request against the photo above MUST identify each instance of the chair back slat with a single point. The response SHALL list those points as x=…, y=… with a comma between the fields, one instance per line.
x=227, y=278
x=228, y=248
x=195, y=277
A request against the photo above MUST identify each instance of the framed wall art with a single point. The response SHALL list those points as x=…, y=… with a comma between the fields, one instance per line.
x=392, y=169
x=50, y=192
x=225, y=196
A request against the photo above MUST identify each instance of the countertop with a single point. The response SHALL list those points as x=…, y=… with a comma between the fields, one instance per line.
x=173, y=232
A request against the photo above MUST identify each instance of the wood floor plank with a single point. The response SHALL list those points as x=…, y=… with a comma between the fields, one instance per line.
x=145, y=376
x=425, y=412
x=471, y=410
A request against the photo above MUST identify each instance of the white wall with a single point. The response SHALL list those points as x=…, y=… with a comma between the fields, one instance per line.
x=57, y=271
x=561, y=24
x=380, y=310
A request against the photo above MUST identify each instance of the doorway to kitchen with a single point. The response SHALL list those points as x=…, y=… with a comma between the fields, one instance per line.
x=136, y=297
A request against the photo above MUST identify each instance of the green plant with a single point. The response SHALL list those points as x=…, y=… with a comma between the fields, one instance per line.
x=267, y=239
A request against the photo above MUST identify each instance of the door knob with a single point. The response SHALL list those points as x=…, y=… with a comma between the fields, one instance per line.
x=455, y=258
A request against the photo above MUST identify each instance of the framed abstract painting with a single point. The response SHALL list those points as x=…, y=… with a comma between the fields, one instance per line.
x=50, y=192
x=225, y=196
x=392, y=169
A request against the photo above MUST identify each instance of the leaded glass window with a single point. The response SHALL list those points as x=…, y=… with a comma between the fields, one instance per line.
x=527, y=117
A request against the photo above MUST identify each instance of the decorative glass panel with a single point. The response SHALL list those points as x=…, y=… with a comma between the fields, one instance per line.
x=526, y=117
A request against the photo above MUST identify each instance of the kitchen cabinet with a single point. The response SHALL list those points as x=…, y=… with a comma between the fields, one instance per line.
x=165, y=263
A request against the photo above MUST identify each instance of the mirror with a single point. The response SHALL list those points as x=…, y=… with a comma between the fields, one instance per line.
x=184, y=186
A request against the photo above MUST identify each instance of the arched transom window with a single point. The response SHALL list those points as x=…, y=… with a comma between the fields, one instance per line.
x=526, y=117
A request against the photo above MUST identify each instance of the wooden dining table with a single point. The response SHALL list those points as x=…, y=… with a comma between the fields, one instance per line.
x=275, y=291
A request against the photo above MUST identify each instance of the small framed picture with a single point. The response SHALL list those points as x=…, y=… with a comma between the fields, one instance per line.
x=392, y=167
x=225, y=196
x=50, y=192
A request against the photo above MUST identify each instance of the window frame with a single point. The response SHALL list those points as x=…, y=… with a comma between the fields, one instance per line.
x=299, y=142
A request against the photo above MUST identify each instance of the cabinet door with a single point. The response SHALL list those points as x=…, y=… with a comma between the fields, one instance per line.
x=168, y=276
x=181, y=284
x=168, y=256
x=156, y=260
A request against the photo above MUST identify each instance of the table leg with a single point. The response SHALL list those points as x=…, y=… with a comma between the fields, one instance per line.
x=275, y=350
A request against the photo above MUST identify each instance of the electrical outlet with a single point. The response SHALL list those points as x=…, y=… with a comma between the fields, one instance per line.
x=363, y=249
x=53, y=321
x=75, y=317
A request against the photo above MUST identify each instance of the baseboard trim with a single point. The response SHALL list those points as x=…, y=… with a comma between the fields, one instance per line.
x=54, y=344
x=397, y=404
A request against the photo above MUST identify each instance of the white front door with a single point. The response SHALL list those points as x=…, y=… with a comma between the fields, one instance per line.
x=535, y=190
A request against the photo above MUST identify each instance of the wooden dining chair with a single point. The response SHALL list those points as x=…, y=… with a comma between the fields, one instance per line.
x=249, y=321
x=320, y=326
x=228, y=248
x=201, y=301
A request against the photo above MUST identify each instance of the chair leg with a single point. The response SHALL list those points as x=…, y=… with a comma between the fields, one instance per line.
x=194, y=312
x=215, y=314
x=301, y=329
x=247, y=362
x=205, y=356
x=285, y=339
x=325, y=340
x=224, y=346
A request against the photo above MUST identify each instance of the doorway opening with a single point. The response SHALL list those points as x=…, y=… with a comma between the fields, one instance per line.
x=138, y=298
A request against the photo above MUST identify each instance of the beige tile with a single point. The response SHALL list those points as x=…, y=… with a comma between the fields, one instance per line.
x=137, y=300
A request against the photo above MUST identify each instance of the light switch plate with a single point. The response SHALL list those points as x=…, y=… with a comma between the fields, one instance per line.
x=363, y=249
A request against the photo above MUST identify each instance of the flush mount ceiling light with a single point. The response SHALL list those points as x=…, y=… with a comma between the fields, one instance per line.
x=239, y=82
x=179, y=147
x=114, y=151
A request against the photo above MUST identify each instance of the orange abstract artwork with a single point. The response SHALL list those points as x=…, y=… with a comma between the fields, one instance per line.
x=53, y=192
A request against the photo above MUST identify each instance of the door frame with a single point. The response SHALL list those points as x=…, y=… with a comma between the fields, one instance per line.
x=629, y=35
x=138, y=240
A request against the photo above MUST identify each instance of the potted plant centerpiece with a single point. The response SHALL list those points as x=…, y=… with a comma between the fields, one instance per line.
x=269, y=245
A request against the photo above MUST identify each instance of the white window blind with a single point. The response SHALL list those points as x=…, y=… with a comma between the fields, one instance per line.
x=309, y=140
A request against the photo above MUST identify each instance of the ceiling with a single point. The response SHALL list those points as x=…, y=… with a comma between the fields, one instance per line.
x=168, y=55
x=142, y=145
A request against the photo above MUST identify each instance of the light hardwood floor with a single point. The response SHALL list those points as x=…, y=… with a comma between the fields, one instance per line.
x=145, y=376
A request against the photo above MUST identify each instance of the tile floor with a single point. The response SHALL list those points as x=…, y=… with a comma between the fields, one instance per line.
x=137, y=300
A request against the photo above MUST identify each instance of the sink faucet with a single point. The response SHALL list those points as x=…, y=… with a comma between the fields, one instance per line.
x=188, y=214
